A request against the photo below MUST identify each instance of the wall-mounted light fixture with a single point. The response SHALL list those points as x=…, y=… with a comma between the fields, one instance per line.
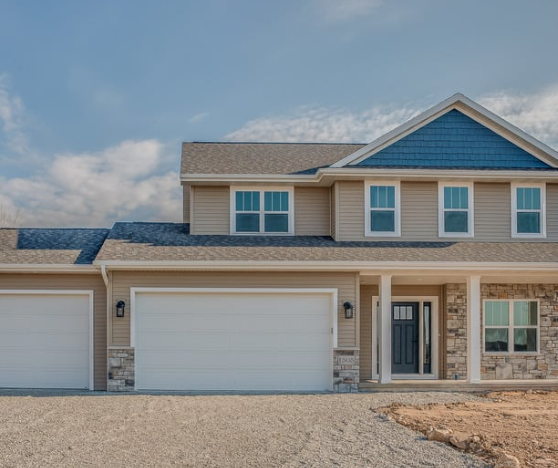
x=120, y=308
x=349, y=309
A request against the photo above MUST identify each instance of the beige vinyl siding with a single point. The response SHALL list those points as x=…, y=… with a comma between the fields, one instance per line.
x=351, y=211
x=346, y=283
x=211, y=210
x=492, y=212
x=312, y=211
x=86, y=282
x=419, y=212
x=186, y=203
x=552, y=212
x=366, y=326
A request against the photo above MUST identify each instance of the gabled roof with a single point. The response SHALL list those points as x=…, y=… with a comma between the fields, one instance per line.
x=468, y=108
x=163, y=243
x=50, y=246
x=261, y=158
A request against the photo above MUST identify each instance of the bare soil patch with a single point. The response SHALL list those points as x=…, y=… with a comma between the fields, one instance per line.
x=521, y=424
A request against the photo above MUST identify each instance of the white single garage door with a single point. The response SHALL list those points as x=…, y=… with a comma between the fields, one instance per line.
x=233, y=340
x=45, y=340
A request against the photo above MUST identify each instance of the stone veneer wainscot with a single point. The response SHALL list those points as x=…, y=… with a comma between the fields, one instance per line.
x=121, y=370
x=346, y=370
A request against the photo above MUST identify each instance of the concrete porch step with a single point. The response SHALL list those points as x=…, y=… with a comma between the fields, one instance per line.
x=457, y=385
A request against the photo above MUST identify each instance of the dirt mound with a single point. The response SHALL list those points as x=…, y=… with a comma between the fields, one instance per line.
x=509, y=429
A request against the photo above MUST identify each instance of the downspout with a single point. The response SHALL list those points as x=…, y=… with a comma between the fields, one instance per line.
x=104, y=274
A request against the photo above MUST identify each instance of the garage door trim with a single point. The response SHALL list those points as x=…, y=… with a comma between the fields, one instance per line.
x=66, y=292
x=331, y=291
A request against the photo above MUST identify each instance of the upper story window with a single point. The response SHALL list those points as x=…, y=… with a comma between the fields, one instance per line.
x=382, y=209
x=455, y=210
x=258, y=211
x=511, y=326
x=528, y=210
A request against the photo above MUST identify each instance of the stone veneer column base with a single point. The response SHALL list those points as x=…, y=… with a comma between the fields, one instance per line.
x=346, y=370
x=121, y=370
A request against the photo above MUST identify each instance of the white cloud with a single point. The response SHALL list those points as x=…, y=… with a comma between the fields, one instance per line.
x=95, y=189
x=344, y=10
x=325, y=125
x=12, y=119
x=535, y=113
x=198, y=117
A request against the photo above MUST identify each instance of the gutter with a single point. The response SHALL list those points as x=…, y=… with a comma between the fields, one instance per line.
x=47, y=268
x=332, y=266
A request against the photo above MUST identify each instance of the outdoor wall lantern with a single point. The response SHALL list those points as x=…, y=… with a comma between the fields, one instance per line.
x=120, y=307
x=349, y=309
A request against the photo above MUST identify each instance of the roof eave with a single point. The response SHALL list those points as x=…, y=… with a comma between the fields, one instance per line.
x=47, y=268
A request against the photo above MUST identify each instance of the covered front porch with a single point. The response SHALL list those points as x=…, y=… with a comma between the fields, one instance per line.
x=428, y=330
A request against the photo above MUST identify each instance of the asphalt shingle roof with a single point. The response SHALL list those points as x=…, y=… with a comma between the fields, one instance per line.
x=50, y=246
x=173, y=242
x=261, y=158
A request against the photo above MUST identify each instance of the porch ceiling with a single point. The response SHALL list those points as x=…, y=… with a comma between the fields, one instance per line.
x=438, y=278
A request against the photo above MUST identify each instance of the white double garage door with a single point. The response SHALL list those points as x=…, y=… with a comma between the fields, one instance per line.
x=46, y=339
x=233, y=339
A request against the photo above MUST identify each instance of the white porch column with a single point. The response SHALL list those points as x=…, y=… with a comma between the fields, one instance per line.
x=474, y=329
x=385, y=329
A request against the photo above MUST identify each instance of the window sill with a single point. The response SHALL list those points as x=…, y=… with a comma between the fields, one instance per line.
x=460, y=235
x=274, y=234
x=528, y=236
x=382, y=234
x=512, y=355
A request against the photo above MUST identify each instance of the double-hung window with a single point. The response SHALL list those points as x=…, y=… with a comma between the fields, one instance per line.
x=257, y=211
x=455, y=210
x=528, y=210
x=382, y=209
x=511, y=326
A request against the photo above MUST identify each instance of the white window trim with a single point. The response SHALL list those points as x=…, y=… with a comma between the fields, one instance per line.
x=262, y=212
x=511, y=326
x=367, y=208
x=471, y=210
x=523, y=235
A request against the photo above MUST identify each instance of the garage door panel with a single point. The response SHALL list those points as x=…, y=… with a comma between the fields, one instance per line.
x=43, y=358
x=32, y=322
x=205, y=341
x=44, y=340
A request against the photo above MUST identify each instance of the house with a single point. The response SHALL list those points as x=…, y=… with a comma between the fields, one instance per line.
x=429, y=254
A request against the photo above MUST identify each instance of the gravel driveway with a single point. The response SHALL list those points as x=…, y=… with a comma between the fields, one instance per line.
x=72, y=430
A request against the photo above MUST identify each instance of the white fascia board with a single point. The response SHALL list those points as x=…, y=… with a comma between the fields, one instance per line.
x=230, y=265
x=247, y=178
x=436, y=111
x=46, y=268
x=438, y=174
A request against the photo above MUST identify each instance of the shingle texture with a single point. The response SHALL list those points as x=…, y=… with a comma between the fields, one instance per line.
x=455, y=141
x=261, y=158
x=50, y=246
x=173, y=242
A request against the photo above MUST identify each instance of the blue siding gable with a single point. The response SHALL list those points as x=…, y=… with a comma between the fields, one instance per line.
x=455, y=141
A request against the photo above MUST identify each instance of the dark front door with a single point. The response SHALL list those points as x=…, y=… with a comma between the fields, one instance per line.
x=404, y=337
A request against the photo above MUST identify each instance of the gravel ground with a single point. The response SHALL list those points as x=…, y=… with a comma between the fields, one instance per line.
x=73, y=430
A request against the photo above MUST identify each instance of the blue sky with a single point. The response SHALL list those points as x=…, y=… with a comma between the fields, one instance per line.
x=95, y=97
